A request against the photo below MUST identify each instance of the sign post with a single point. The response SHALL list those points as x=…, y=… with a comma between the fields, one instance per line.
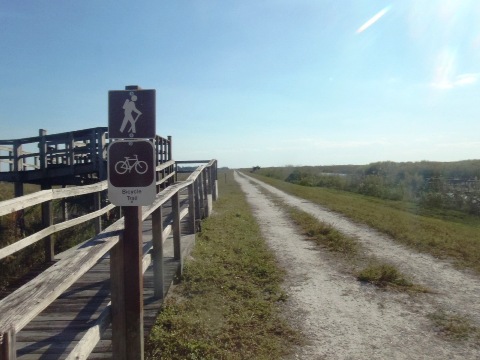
x=131, y=184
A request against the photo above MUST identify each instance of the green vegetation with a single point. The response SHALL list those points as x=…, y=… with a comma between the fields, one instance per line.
x=375, y=272
x=227, y=306
x=382, y=275
x=324, y=234
x=455, y=327
x=430, y=185
x=442, y=233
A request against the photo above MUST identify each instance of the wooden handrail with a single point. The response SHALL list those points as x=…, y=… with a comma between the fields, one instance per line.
x=32, y=239
x=24, y=304
x=93, y=250
x=20, y=203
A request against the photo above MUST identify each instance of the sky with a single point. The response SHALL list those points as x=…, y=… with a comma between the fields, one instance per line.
x=254, y=83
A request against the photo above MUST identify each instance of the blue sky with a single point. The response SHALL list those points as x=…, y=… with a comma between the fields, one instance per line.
x=268, y=83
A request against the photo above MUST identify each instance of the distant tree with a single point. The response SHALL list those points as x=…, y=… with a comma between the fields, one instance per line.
x=255, y=168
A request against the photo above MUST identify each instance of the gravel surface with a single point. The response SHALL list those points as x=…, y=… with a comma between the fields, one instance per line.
x=342, y=318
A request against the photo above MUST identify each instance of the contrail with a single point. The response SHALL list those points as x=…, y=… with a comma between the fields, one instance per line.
x=373, y=20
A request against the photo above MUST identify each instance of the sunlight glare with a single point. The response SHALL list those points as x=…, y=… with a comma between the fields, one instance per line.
x=374, y=19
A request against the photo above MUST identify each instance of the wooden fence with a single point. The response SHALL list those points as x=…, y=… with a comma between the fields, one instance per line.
x=24, y=304
x=69, y=157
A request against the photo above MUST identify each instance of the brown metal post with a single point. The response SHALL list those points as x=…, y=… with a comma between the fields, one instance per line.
x=117, y=289
x=127, y=289
x=133, y=275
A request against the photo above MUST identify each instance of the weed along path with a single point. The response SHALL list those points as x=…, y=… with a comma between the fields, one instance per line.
x=342, y=318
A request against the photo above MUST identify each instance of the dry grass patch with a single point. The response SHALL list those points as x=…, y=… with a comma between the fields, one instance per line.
x=455, y=327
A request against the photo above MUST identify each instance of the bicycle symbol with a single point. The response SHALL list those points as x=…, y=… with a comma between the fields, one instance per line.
x=121, y=167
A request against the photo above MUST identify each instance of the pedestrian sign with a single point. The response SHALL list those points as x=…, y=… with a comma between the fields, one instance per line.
x=131, y=114
x=131, y=172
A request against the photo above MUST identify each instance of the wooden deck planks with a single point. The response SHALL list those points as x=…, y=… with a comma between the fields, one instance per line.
x=57, y=330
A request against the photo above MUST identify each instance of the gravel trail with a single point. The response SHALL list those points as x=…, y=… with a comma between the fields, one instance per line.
x=345, y=319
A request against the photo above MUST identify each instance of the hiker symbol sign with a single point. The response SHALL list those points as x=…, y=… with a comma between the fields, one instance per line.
x=131, y=114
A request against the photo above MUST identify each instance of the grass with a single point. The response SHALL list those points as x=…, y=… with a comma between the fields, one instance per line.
x=378, y=273
x=442, y=234
x=382, y=275
x=323, y=233
x=227, y=306
x=455, y=327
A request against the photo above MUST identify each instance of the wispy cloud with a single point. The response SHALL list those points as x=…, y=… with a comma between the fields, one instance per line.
x=373, y=19
x=447, y=76
x=456, y=81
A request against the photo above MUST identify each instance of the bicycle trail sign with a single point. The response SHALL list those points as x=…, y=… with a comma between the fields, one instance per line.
x=131, y=114
x=131, y=172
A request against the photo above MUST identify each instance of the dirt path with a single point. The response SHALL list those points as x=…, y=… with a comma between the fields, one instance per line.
x=343, y=319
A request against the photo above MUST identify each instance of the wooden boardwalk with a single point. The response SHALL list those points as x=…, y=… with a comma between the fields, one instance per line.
x=65, y=311
x=55, y=332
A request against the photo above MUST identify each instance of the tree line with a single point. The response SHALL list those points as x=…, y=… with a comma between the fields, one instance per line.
x=440, y=185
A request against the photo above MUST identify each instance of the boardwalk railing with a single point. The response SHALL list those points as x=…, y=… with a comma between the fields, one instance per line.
x=7, y=157
x=20, y=307
x=69, y=154
x=72, y=148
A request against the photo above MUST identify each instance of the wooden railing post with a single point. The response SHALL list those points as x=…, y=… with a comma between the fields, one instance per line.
x=157, y=254
x=17, y=157
x=70, y=155
x=191, y=207
x=101, y=142
x=170, y=157
x=196, y=189
x=215, y=182
x=206, y=209
x=42, y=149
x=97, y=205
x=177, y=251
x=93, y=148
x=18, y=187
x=170, y=150
x=8, y=346
x=47, y=220
x=11, y=160
x=201, y=184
